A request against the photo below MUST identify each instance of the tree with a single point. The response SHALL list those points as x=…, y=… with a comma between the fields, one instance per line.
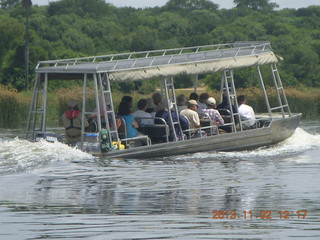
x=5, y=4
x=189, y=5
x=83, y=8
x=259, y=5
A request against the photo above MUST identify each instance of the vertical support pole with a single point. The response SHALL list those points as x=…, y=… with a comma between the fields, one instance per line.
x=31, y=115
x=44, y=103
x=166, y=85
x=83, y=108
x=96, y=96
x=275, y=82
x=195, y=83
x=264, y=92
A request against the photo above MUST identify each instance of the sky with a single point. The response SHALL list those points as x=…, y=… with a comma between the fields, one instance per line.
x=222, y=3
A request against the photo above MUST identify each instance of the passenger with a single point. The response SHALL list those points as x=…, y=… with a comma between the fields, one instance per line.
x=157, y=101
x=141, y=113
x=127, y=99
x=154, y=103
x=194, y=96
x=181, y=102
x=72, y=121
x=203, y=100
x=191, y=114
x=225, y=104
x=246, y=112
x=212, y=113
x=131, y=124
x=164, y=114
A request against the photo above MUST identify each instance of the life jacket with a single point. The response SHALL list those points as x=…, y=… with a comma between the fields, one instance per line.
x=72, y=114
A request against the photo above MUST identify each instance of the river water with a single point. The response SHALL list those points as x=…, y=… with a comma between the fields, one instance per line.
x=51, y=191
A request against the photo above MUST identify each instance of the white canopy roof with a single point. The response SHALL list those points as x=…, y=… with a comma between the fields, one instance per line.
x=169, y=62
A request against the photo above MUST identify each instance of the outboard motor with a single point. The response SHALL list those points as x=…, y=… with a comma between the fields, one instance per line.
x=105, y=144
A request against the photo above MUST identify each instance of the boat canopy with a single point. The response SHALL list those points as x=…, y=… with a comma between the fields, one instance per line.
x=136, y=66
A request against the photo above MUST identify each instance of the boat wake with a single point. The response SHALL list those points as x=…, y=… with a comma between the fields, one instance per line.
x=18, y=155
x=299, y=142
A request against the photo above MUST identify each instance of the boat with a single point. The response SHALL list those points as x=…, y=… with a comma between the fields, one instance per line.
x=274, y=126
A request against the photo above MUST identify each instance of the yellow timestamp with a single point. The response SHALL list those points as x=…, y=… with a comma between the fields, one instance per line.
x=264, y=214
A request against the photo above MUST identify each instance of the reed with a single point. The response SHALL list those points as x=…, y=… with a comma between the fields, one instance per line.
x=14, y=108
x=303, y=100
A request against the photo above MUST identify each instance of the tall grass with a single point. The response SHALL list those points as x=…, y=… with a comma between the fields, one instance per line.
x=304, y=100
x=14, y=106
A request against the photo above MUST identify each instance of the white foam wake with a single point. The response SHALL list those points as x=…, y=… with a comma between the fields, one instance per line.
x=18, y=155
x=300, y=141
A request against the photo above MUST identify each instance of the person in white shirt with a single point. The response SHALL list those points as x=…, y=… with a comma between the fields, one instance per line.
x=141, y=113
x=246, y=112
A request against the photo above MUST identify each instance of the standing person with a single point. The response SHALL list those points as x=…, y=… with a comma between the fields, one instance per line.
x=246, y=112
x=72, y=121
x=141, y=113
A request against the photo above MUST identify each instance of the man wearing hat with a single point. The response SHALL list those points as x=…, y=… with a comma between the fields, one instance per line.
x=212, y=113
x=191, y=114
x=72, y=120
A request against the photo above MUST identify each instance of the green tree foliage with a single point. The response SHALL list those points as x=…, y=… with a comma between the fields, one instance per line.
x=189, y=5
x=258, y=5
x=5, y=4
x=76, y=28
x=82, y=8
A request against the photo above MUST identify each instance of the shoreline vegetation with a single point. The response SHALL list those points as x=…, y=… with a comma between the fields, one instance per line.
x=14, y=105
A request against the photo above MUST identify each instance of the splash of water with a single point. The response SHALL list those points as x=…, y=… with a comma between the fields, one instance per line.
x=18, y=155
x=300, y=141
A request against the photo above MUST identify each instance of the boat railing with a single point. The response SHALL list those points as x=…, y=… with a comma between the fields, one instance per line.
x=165, y=56
x=137, y=140
x=156, y=131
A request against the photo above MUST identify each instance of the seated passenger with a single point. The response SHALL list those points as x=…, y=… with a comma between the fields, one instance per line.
x=191, y=114
x=225, y=104
x=141, y=113
x=131, y=124
x=157, y=102
x=203, y=100
x=177, y=118
x=246, y=112
x=195, y=96
x=72, y=121
x=127, y=99
x=181, y=102
x=212, y=113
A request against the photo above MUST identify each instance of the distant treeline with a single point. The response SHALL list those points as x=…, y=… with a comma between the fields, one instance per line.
x=70, y=28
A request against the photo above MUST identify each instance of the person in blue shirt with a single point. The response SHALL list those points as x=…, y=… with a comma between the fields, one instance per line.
x=124, y=111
